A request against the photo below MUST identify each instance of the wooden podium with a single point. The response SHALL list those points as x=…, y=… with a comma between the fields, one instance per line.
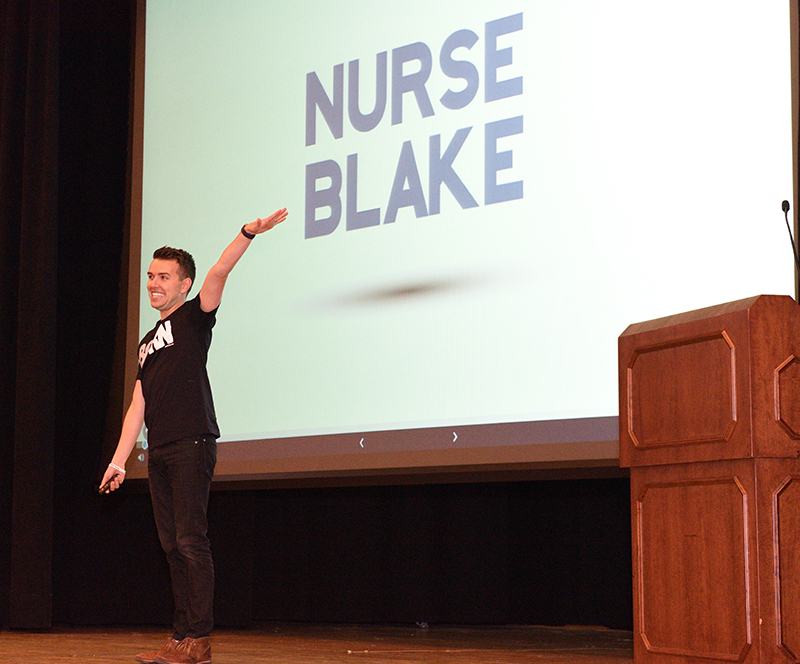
x=710, y=428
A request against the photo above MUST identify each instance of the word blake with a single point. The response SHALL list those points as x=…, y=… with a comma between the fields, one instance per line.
x=407, y=189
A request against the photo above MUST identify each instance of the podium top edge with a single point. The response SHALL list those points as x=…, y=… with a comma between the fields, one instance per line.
x=704, y=313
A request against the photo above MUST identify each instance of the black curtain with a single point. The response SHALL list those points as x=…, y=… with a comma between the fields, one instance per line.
x=29, y=140
x=63, y=144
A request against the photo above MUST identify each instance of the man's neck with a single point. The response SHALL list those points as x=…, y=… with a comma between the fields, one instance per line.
x=166, y=314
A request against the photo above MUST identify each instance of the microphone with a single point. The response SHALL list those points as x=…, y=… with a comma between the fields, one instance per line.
x=785, y=207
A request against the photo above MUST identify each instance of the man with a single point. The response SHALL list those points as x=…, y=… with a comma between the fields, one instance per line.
x=172, y=397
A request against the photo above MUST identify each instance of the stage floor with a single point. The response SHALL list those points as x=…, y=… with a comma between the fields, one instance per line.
x=350, y=644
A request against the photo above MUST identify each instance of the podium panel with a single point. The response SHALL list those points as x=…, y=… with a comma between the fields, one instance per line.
x=695, y=573
x=694, y=379
x=779, y=529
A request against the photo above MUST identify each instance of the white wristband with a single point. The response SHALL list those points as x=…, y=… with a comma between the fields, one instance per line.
x=116, y=467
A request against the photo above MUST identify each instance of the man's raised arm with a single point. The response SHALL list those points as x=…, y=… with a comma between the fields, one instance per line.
x=214, y=284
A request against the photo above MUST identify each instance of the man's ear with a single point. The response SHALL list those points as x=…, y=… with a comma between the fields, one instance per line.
x=186, y=284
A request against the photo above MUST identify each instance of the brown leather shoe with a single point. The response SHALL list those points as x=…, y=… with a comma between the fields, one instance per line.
x=188, y=651
x=150, y=657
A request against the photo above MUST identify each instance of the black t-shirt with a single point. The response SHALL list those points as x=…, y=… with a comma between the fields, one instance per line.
x=172, y=368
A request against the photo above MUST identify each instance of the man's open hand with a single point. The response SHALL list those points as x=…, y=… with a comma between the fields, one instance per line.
x=263, y=225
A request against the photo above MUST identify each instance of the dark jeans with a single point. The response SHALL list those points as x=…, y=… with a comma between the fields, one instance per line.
x=180, y=481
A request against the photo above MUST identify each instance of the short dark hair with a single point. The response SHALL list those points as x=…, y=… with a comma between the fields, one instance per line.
x=186, y=267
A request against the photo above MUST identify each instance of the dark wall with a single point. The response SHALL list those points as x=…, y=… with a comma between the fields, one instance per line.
x=547, y=552
x=540, y=552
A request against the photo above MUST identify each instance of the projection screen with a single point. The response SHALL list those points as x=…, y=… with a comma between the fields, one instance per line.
x=482, y=196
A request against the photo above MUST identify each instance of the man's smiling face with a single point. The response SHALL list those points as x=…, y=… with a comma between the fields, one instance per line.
x=166, y=288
